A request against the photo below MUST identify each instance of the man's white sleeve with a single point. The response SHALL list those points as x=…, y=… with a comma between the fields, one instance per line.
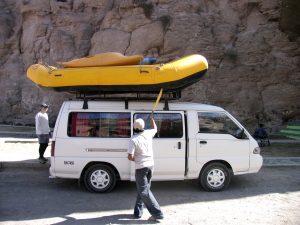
x=37, y=124
x=131, y=147
x=153, y=131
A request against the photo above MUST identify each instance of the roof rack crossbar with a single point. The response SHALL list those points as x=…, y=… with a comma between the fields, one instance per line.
x=138, y=96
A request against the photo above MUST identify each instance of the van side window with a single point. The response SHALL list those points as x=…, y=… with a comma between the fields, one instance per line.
x=95, y=124
x=169, y=125
x=217, y=123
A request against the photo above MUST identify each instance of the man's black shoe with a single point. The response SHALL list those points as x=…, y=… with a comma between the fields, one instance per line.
x=42, y=161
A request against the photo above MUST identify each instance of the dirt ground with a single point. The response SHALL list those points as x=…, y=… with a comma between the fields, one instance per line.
x=20, y=151
x=270, y=197
x=28, y=196
x=281, y=150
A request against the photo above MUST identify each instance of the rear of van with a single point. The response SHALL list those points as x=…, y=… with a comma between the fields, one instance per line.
x=79, y=144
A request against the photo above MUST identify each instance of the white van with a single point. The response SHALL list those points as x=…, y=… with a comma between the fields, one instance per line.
x=194, y=141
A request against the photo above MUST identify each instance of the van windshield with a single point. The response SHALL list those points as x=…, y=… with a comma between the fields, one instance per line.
x=218, y=123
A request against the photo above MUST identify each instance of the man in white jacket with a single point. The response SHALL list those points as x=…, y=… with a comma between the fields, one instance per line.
x=42, y=131
x=140, y=151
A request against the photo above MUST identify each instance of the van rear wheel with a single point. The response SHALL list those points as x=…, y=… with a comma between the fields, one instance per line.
x=99, y=178
x=215, y=177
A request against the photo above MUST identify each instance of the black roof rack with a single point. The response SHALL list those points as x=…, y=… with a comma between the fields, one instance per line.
x=137, y=96
x=119, y=96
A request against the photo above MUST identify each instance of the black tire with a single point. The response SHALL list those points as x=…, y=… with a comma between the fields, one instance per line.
x=99, y=178
x=215, y=177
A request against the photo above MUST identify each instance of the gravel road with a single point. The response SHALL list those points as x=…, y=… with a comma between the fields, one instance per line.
x=28, y=196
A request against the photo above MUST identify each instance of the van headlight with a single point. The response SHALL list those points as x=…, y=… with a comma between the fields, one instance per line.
x=256, y=150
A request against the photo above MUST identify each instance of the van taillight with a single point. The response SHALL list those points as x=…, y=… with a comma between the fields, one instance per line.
x=52, y=148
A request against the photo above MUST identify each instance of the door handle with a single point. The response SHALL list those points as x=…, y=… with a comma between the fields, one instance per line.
x=203, y=142
x=179, y=145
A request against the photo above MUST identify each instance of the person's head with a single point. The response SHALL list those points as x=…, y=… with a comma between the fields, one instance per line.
x=138, y=125
x=261, y=125
x=44, y=107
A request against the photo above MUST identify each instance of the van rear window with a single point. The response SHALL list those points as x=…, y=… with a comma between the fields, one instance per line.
x=95, y=124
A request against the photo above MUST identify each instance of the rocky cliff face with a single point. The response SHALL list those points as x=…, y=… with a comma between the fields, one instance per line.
x=252, y=47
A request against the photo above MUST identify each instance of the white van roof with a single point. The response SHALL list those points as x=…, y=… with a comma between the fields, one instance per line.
x=140, y=105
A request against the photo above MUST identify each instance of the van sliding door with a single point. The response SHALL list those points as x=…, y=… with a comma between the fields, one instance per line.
x=169, y=144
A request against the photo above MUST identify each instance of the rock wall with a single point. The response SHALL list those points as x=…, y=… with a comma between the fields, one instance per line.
x=252, y=47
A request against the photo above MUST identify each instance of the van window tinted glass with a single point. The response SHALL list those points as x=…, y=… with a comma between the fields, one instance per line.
x=95, y=124
x=217, y=123
x=169, y=125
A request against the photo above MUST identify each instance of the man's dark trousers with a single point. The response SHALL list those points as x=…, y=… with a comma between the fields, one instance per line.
x=143, y=182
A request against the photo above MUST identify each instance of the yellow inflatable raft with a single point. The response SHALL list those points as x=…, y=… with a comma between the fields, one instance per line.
x=171, y=76
x=103, y=59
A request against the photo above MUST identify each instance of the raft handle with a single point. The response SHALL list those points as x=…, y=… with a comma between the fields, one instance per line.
x=143, y=71
x=48, y=68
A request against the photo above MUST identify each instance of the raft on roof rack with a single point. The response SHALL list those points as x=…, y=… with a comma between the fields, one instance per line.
x=104, y=59
x=174, y=75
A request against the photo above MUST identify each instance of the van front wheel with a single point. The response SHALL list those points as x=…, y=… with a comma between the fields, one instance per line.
x=215, y=177
x=99, y=178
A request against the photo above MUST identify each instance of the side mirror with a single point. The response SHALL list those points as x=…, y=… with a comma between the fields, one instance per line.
x=240, y=133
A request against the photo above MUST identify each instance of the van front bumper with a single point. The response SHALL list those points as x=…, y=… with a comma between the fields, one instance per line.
x=256, y=162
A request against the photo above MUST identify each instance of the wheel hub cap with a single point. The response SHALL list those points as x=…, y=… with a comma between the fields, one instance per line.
x=100, y=179
x=216, y=178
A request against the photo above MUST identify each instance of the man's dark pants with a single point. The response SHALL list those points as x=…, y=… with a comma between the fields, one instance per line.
x=143, y=183
x=43, y=141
